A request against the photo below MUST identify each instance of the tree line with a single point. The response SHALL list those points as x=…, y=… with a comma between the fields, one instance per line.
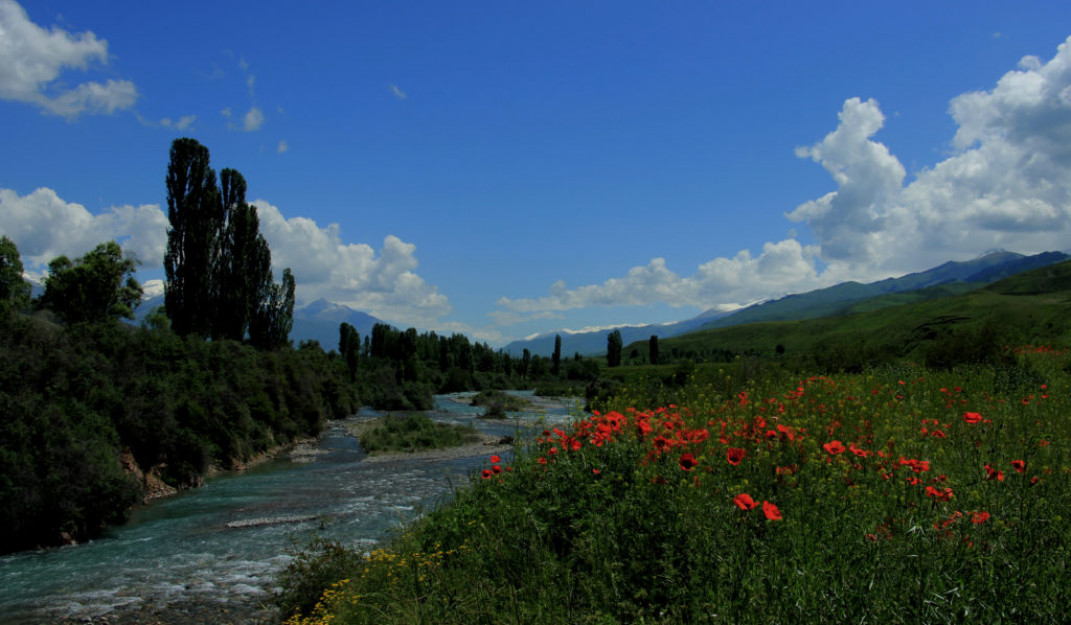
x=210, y=380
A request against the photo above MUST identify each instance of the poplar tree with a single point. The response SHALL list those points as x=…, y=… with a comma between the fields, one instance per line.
x=218, y=265
x=652, y=348
x=556, y=357
x=613, y=349
x=194, y=211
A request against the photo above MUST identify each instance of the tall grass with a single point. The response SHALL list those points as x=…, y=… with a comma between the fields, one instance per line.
x=895, y=496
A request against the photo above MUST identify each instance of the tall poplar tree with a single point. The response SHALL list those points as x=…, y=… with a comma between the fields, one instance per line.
x=195, y=212
x=218, y=265
x=556, y=357
x=613, y=349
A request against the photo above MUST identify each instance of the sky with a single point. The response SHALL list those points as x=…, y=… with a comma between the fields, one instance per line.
x=502, y=169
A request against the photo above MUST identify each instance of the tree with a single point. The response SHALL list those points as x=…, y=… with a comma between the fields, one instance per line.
x=556, y=358
x=92, y=288
x=194, y=211
x=218, y=265
x=613, y=349
x=241, y=264
x=271, y=324
x=349, y=347
x=14, y=289
x=652, y=348
x=526, y=362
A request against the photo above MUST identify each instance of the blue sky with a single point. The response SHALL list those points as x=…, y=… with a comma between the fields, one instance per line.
x=504, y=168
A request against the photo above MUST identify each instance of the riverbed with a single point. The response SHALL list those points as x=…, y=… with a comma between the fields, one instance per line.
x=210, y=555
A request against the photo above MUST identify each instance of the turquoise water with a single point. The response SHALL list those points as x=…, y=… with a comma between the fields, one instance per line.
x=222, y=544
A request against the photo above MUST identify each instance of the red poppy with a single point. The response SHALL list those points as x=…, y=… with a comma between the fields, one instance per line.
x=495, y=459
x=744, y=501
x=688, y=462
x=496, y=469
x=979, y=517
x=1019, y=466
x=993, y=474
x=940, y=494
x=972, y=417
x=735, y=455
x=771, y=511
x=487, y=474
x=834, y=447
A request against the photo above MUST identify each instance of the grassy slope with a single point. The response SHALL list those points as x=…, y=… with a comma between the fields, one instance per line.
x=1029, y=308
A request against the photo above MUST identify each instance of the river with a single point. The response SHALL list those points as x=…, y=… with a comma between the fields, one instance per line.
x=210, y=555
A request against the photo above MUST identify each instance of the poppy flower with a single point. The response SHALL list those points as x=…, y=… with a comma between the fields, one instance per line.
x=834, y=447
x=744, y=501
x=495, y=459
x=735, y=455
x=688, y=462
x=496, y=469
x=1019, y=466
x=972, y=417
x=771, y=511
x=979, y=517
x=940, y=494
x=487, y=474
x=993, y=474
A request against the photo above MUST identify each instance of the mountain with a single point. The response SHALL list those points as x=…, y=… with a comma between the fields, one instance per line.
x=950, y=278
x=316, y=321
x=947, y=279
x=320, y=320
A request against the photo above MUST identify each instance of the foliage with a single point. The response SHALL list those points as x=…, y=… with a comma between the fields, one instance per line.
x=414, y=432
x=75, y=398
x=613, y=349
x=14, y=289
x=895, y=495
x=96, y=287
x=218, y=265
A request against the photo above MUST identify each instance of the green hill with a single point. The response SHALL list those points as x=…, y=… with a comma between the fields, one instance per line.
x=1029, y=308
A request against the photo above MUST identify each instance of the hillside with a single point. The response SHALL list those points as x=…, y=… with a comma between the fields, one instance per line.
x=1029, y=308
x=951, y=278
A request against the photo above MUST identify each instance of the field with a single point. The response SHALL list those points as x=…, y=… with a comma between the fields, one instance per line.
x=897, y=495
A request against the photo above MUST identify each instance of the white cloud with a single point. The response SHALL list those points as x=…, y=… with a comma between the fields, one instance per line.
x=44, y=226
x=398, y=93
x=32, y=59
x=183, y=122
x=782, y=268
x=283, y=147
x=254, y=119
x=1006, y=185
x=384, y=284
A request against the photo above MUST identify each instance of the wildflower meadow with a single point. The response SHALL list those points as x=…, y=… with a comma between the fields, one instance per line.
x=898, y=495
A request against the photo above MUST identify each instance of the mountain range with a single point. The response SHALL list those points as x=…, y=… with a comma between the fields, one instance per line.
x=947, y=279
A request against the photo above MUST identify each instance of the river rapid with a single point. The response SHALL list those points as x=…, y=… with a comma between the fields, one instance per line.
x=210, y=555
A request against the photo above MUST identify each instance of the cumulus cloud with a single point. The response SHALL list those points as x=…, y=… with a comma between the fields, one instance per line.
x=44, y=226
x=1007, y=184
x=32, y=59
x=398, y=93
x=384, y=284
x=283, y=147
x=782, y=267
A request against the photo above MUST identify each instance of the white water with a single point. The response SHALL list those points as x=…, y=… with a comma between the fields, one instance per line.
x=222, y=544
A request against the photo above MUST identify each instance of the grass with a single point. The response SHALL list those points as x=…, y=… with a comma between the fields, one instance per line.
x=899, y=495
x=498, y=403
x=412, y=432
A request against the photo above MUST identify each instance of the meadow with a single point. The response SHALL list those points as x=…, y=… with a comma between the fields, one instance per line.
x=896, y=495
